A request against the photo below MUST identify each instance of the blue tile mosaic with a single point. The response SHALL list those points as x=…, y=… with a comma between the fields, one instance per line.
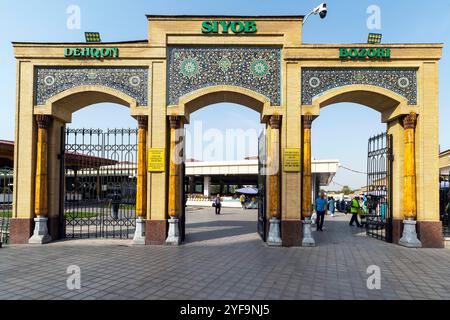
x=51, y=81
x=316, y=81
x=253, y=68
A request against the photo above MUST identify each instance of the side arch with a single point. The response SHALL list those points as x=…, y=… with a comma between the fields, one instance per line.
x=390, y=104
x=64, y=104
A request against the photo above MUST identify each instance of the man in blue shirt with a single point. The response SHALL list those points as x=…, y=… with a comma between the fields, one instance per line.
x=321, y=208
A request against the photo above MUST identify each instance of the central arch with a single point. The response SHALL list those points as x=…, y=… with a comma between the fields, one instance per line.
x=180, y=115
x=218, y=94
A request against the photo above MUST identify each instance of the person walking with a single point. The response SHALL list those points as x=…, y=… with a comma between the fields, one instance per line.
x=321, y=208
x=218, y=204
x=116, y=201
x=355, y=210
x=332, y=206
x=243, y=200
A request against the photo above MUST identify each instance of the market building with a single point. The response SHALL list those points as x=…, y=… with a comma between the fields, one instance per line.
x=260, y=62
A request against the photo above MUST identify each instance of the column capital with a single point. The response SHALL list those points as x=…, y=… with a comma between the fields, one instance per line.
x=409, y=121
x=308, y=120
x=43, y=121
x=275, y=122
x=175, y=122
x=142, y=122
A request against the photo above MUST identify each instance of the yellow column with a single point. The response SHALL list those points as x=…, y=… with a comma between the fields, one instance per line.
x=174, y=182
x=409, y=187
x=274, y=177
x=40, y=234
x=306, y=191
x=274, y=238
x=40, y=204
x=141, y=188
x=308, y=240
x=409, y=238
x=141, y=193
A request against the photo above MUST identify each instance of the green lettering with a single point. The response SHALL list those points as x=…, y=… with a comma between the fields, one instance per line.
x=95, y=53
x=68, y=52
x=372, y=52
x=215, y=27
x=343, y=53
x=388, y=53
x=115, y=52
x=225, y=26
x=207, y=27
x=353, y=53
x=237, y=27
x=77, y=52
x=362, y=53
x=250, y=27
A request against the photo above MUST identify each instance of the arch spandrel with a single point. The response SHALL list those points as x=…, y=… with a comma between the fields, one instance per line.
x=388, y=82
x=254, y=68
x=53, y=81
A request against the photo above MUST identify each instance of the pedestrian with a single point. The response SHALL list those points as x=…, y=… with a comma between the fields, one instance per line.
x=321, y=208
x=355, y=211
x=116, y=200
x=218, y=204
x=332, y=206
x=243, y=200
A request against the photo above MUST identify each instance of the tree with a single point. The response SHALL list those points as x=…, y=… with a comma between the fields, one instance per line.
x=346, y=190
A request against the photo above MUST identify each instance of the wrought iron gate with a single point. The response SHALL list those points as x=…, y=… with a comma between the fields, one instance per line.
x=6, y=200
x=379, y=187
x=100, y=175
x=262, y=166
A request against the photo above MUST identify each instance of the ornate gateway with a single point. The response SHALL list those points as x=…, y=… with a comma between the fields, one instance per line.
x=100, y=171
x=379, y=187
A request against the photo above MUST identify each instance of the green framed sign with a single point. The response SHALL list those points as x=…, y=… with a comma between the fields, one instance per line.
x=365, y=53
x=236, y=27
x=92, y=53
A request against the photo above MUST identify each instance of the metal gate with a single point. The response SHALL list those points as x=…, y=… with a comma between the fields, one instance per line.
x=6, y=200
x=379, y=187
x=262, y=166
x=100, y=175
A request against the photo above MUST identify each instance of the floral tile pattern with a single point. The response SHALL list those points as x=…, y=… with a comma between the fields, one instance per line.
x=316, y=81
x=51, y=81
x=254, y=68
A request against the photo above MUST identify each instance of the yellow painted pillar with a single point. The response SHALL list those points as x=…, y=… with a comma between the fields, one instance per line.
x=174, y=182
x=40, y=235
x=409, y=238
x=274, y=238
x=308, y=240
x=141, y=192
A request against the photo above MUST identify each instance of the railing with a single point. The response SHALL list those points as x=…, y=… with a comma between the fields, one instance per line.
x=6, y=200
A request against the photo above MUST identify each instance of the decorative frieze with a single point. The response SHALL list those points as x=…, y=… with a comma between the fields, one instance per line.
x=131, y=81
x=253, y=68
x=316, y=81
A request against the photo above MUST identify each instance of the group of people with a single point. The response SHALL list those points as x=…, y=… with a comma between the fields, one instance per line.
x=246, y=202
x=323, y=205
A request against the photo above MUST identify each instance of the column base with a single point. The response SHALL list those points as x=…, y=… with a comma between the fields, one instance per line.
x=139, y=236
x=156, y=232
x=308, y=240
x=274, y=239
x=291, y=233
x=409, y=238
x=174, y=238
x=40, y=235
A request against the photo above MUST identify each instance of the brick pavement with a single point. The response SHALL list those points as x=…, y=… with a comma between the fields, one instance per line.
x=225, y=259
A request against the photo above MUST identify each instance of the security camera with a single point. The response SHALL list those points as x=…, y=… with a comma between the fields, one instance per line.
x=321, y=10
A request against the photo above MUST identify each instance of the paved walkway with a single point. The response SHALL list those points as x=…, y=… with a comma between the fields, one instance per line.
x=225, y=259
